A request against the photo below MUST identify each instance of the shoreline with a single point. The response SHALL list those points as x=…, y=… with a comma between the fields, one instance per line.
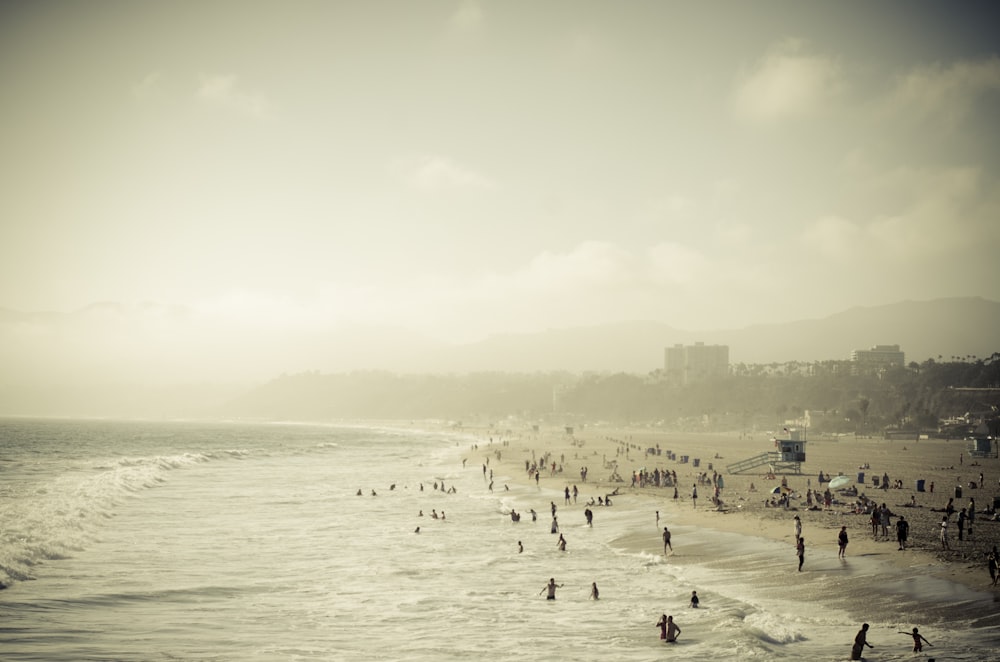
x=605, y=450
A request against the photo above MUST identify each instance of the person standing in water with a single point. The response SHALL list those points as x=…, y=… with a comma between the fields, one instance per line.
x=842, y=543
x=594, y=593
x=668, y=629
x=666, y=541
x=551, y=588
x=694, y=599
x=860, y=641
x=918, y=640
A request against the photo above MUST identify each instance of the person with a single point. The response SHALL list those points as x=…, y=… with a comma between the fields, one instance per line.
x=694, y=599
x=694, y=496
x=944, y=533
x=798, y=527
x=594, y=593
x=666, y=541
x=561, y=543
x=902, y=531
x=842, y=543
x=961, y=523
x=992, y=562
x=860, y=641
x=551, y=588
x=520, y=547
x=918, y=640
x=672, y=630
x=800, y=549
x=662, y=624
x=668, y=629
x=970, y=516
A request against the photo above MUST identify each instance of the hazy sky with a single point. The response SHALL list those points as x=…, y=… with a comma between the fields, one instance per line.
x=463, y=168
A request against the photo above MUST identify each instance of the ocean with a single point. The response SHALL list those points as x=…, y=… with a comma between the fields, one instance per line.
x=137, y=540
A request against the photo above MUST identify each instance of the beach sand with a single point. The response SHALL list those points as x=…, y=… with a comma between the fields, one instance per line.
x=943, y=463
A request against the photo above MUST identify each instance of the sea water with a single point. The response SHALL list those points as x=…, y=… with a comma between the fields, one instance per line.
x=234, y=541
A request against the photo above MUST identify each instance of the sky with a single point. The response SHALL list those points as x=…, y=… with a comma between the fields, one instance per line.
x=468, y=168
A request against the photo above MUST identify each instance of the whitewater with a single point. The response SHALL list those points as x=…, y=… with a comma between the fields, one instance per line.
x=139, y=540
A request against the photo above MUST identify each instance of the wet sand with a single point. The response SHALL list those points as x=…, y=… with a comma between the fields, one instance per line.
x=943, y=463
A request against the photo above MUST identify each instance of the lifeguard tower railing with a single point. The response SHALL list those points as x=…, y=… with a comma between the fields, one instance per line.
x=779, y=463
x=787, y=459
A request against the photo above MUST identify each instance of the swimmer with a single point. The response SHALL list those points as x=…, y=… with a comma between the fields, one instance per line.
x=594, y=593
x=551, y=588
x=416, y=530
x=520, y=547
x=917, y=643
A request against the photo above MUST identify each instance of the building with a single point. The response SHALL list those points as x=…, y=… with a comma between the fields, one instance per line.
x=877, y=359
x=686, y=364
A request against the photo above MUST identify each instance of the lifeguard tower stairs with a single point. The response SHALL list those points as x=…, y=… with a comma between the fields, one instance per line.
x=787, y=459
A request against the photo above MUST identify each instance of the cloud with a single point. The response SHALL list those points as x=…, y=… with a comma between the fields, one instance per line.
x=925, y=216
x=467, y=18
x=148, y=88
x=224, y=92
x=786, y=82
x=945, y=93
x=433, y=173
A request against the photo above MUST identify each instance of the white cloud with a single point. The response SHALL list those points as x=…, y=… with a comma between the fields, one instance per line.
x=224, y=92
x=468, y=17
x=674, y=263
x=786, y=82
x=148, y=88
x=925, y=216
x=833, y=237
x=433, y=173
x=942, y=92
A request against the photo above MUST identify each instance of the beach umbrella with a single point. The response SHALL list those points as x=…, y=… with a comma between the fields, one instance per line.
x=839, y=481
x=776, y=490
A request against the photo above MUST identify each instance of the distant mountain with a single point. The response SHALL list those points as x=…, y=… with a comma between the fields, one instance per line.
x=52, y=361
x=922, y=329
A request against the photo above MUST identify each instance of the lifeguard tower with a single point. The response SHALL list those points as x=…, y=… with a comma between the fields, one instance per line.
x=787, y=458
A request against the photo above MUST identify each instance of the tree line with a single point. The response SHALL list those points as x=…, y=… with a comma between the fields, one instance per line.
x=942, y=397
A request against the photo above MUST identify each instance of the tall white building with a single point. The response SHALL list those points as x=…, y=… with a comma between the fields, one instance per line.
x=686, y=364
x=877, y=358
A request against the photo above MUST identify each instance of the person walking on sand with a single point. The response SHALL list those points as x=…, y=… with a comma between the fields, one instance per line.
x=860, y=641
x=798, y=527
x=551, y=588
x=694, y=496
x=902, y=532
x=800, y=549
x=944, y=533
x=918, y=640
x=842, y=543
x=666, y=541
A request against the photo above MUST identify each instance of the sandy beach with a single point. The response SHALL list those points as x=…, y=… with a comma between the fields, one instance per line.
x=945, y=464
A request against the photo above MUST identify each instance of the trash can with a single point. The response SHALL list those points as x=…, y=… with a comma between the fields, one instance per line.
x=684, y=459
x=920, y=484
x=958, y=491
x=861, y=477
x=697, y=462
